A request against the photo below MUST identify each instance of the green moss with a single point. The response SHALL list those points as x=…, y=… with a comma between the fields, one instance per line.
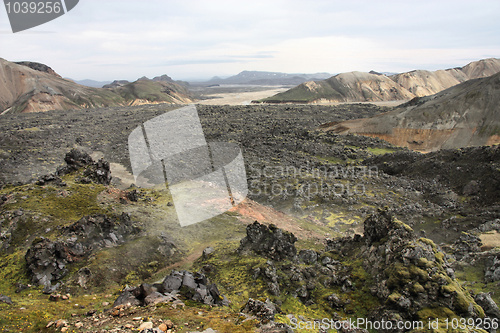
x=360, y=301
x=69, y=203
x=417, y=288
x=463, y=299
x=427, y=241
x=381, y=151
x=424, y=263
x=394, y=297
x=130, y=263
x=419, y=274
x=440, y=257
x=12, y=270
x=433, y=313
x=403, y=225
x=233, y=273
x=295, y=306
x=398, y=275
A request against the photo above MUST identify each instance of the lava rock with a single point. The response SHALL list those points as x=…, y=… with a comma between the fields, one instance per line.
x=127, y=298
x=172, y=282
x=156, y=297
x=269, y=241
x=466, y=244
x=309, y=257
x=5, y=299
x=265, y=311
x=377, y=226
x=50, y=179
x=98, y=172
x=77, y=158
x=335, y=301
x=207, y=252
x=492, y=269
x=47, y=260
x=133, y=195
x=192, y=286
x=488, y=304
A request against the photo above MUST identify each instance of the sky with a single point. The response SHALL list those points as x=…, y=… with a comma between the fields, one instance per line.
x=196, y=40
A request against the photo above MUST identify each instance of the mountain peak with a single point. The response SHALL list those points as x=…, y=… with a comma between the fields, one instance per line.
x=38, y=67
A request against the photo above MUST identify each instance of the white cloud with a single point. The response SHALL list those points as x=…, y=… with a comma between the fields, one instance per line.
x=195, y=38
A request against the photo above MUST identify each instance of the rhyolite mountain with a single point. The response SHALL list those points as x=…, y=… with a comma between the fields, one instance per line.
x=34, y=87
x=376, y=87
x=467, y=114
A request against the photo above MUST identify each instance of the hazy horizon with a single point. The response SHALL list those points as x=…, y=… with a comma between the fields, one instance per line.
x=196, y=40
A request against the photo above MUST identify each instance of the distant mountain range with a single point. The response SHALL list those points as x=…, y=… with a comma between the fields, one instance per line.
x=34, y=87
x=267, y=78
x=374, y=87
x=90, y=83
x=467, y=114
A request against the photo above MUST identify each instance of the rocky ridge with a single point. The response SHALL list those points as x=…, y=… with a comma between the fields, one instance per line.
x=374, y=87
x=34, y=87
x=409, y=277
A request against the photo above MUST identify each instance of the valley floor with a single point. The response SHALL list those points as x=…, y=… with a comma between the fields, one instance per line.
x=377, y=230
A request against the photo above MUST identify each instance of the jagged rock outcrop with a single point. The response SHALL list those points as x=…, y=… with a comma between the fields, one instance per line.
x=269, y=274
x=409, y=273
x=47, y=261
x=95, y=172
x=466, y=244
x=192, y=286
x=39, y=67
x=309, y=257
x=265, y=311
x=50, y=179
x=492, y=269
x=488, y=304
x=269, y=241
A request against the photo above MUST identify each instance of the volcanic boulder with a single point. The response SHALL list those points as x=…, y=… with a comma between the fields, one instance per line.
x=269, y=241
x=97, y=172
x=47, y=260
x=193, y=286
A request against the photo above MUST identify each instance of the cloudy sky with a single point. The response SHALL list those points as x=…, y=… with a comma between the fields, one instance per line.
x=194, y=39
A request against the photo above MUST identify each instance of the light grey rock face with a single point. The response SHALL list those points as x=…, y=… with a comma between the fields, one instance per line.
x=492, y=270
x=5, y=299
x=193, y=286
x=488, y=304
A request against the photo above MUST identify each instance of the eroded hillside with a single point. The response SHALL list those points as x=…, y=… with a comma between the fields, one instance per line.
x=33, y=87
x=375, y=87
x=461, y=116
